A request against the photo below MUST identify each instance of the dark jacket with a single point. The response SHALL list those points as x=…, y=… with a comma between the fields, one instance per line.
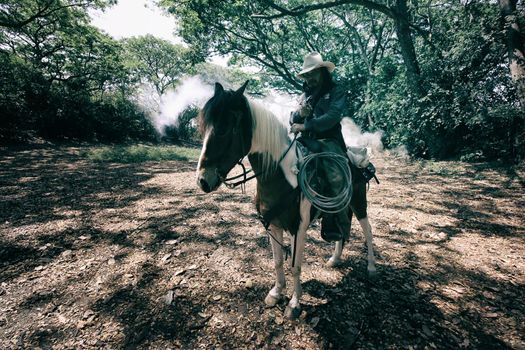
x=325, y=122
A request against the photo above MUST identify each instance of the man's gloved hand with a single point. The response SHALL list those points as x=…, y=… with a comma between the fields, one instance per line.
x=295, y=128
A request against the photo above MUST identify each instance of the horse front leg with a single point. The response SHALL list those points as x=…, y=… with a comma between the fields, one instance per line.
x=275, y=294
x=293, y=310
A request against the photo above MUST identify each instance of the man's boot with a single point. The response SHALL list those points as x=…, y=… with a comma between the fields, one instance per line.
x=330, y=231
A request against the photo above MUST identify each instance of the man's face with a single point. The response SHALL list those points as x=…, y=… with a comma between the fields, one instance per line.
x=313, y=78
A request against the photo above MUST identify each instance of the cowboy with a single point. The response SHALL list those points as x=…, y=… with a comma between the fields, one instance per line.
x=322, y=107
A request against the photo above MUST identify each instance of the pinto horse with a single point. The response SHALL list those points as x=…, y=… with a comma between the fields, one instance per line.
x=234, y=127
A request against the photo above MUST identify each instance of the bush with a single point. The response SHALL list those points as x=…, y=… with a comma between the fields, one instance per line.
x=185, y=128
x=33, y=106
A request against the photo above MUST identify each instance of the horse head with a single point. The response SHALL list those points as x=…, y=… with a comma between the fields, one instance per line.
x=226, y=125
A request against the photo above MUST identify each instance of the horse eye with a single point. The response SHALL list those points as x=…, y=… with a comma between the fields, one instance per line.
x=221, y=131
x=224, y=127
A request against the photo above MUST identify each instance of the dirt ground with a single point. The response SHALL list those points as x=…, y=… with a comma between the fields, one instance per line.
x=110, y=256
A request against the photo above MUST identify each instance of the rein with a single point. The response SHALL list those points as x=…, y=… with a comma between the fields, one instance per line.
x=243, y=175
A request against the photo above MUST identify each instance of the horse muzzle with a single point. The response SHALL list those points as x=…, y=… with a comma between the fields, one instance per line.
x=208, y=180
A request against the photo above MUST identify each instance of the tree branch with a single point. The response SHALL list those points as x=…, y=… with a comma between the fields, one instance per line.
x=45, y=11
x=301, y=10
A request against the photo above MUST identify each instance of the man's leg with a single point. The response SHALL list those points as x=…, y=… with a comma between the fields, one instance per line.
x=334, y=227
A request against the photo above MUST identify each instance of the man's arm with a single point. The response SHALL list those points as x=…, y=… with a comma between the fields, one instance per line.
x=334, y=114
x=297, y=117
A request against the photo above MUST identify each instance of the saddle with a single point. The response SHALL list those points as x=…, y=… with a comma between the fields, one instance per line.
x=360, y=159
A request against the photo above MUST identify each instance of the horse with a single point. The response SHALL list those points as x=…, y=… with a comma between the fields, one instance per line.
x=233, y=127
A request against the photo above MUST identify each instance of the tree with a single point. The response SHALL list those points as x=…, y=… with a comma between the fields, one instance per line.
x=69, y=77
x=516, y=58
x=515, y=44
x=16, y=14
x=156, y=61
x=429, y=74
x=60, y=43
x=399, y=13
x=220, y=27
x=369, y=44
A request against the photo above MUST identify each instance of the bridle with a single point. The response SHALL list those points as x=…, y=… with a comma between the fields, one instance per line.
x=227, y=181
x=245, y=178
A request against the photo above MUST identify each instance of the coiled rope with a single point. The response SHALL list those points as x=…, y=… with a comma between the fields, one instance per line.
x=308, y=179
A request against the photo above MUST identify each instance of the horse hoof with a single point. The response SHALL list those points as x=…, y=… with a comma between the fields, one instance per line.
x=292, y=313
x=271, y=300
x=333, y=262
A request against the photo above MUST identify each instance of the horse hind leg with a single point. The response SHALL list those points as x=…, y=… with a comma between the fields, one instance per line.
x=358, y=205
x=367, y=229
x=275, y=294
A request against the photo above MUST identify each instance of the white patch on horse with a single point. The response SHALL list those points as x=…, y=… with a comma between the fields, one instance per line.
x=270, y=139
x=203, y=151
x=294, y=306
x=289, y=164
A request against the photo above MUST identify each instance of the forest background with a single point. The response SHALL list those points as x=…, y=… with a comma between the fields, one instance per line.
x=445, y=79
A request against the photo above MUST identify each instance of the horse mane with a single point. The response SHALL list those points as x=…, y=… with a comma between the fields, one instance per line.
x=204, y=118
x=269, y=137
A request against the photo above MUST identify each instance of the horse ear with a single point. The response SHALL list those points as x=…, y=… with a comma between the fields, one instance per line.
x=242, y=88
x=218, y=89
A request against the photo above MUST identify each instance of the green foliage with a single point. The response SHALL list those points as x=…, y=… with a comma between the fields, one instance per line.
x=62, y=78
x=17, y=14
x=458, y=98
x=470, y=106
x=155, y=61
x=12, y=126
x=227, y=27
x=141, y=153
x=185, y=129
x=187, y=124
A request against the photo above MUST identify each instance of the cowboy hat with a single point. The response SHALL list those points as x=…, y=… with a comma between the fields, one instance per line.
x=313, y=61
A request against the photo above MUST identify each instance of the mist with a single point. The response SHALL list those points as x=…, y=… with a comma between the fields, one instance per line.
x=193, y=91
x=281, y=105
x=355, y=137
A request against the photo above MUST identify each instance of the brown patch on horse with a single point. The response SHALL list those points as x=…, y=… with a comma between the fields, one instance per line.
x=271, y=191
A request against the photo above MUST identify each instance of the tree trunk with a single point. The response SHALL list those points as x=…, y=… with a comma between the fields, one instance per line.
x=515, y=49
x=368, y=100
x=515, y=45
x=408, y=51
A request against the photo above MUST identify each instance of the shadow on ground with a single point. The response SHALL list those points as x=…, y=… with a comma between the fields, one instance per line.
x=96, y=255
